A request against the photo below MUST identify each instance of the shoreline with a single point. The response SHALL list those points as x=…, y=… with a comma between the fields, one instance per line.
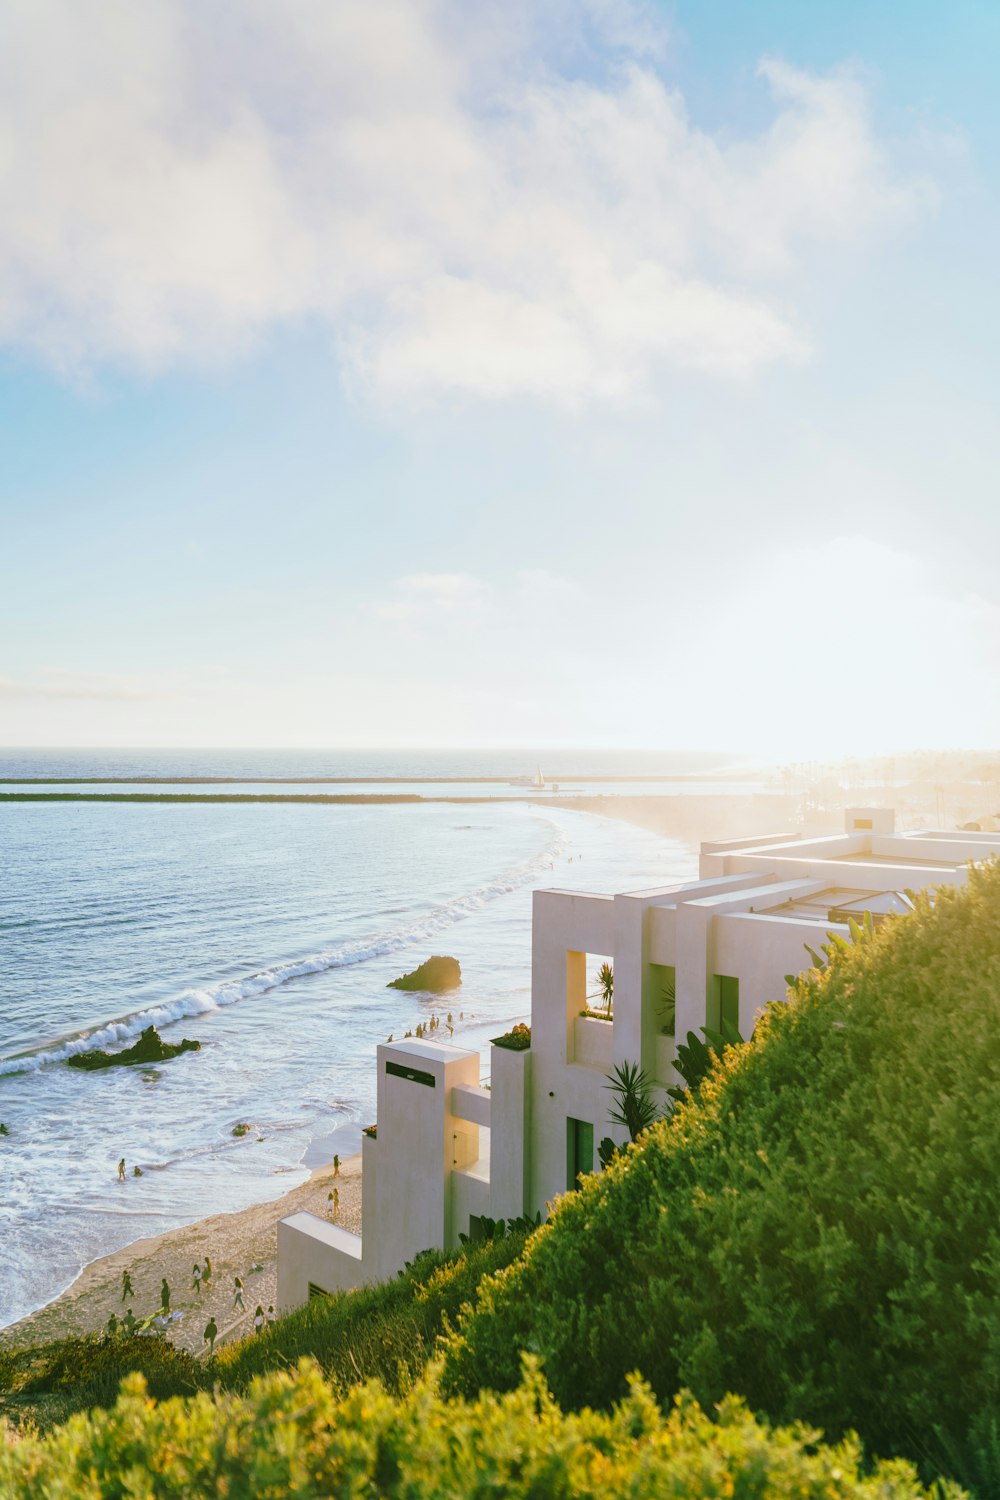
x=234, y=1241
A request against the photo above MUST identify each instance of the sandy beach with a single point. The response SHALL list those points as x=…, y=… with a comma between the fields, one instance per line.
x=233, y=1242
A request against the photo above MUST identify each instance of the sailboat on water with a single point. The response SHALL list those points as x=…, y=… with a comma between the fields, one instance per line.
x=537, y=781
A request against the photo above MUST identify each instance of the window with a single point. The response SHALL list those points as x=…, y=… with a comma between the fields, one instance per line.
x=413, y=1075
x=579, y=1150
x=663, y=989
x=723, y=1002
x=862, y=822
x=317, y=1291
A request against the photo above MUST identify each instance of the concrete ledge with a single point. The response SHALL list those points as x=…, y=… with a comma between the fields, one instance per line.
x=469, y=1102
x=328, y=1234
x=593, y=1042
x=312, y=1252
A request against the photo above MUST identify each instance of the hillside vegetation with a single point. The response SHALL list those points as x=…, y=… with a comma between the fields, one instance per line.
x=291, y=1437
x=817, y=1231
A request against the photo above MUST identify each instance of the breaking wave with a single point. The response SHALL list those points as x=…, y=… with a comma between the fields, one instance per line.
x=200, y=1001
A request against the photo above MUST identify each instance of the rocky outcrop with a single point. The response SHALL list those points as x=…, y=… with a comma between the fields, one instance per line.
x=438, y=975
x=150, y=1048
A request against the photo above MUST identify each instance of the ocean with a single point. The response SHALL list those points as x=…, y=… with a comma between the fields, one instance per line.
x=269, y=933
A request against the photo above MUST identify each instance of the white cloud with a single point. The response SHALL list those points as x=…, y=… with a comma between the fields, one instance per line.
x=177, y=179
x=844, y=648
x=433, y=595
x=57, y=682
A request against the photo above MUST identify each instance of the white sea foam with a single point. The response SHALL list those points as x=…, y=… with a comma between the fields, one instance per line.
x=200, y=1001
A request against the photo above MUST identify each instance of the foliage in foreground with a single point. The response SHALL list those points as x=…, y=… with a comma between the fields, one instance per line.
x=292, y=1437
x=817, y=1229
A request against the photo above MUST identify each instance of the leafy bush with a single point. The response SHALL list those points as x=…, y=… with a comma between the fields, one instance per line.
x=292, y=1437
x=45, y=1384
x=696, y=1058
x=817, y=1229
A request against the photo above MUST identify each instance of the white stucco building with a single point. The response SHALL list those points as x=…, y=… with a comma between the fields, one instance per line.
x=450, y=1150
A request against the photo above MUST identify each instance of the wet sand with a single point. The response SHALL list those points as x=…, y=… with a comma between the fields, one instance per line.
x=234, y=1243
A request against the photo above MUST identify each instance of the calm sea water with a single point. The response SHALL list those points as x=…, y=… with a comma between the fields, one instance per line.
x=269, y=933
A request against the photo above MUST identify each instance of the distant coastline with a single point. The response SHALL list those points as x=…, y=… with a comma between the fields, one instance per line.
x=363, y=780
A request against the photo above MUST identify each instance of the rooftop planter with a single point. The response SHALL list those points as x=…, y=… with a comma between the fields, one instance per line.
x=518, y=1039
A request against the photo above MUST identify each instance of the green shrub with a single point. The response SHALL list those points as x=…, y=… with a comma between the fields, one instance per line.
x=88, y=1371
x=817, y=1230
x=292, y=1437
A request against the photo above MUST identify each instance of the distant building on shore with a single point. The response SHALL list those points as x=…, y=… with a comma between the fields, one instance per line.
x=451, y=1151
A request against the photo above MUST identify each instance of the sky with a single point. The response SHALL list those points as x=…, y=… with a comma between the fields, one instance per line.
x=535, y=373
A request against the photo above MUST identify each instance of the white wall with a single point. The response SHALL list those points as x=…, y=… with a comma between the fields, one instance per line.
x=311, y=1250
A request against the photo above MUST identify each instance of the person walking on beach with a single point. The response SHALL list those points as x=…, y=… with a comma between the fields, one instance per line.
x=127, y=1288
x=121, y=1170
x=128, y=1322
x=112, y=1325
x=270, y=1312
x=237, y=1292
x=196, y=1279
x=258, y=1319
x=206, y=1275
x=336, y=1166
x=165, y=1297
x=211, y=1334
x=336, y=1202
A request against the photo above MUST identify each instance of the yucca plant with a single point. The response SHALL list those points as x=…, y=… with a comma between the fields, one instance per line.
x=635, y=1108
x=606, y=986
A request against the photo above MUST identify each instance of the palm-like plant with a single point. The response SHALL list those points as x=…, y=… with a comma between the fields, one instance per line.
x=635, y=1108
x=605, y=979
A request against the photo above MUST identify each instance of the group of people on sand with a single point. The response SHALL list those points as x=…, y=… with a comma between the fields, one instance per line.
x=201, y=1276
x=424, y=1028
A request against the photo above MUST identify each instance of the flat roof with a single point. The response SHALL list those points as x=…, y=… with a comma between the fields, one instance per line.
x=852, y=902
x=903, y=861
x=442, y=1052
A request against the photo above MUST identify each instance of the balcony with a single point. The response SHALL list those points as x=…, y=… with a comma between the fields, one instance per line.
x=593, y=1042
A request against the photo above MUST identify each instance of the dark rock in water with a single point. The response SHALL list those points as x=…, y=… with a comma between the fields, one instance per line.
x=3, y=1129
x=150, y=1048
x=437, y=975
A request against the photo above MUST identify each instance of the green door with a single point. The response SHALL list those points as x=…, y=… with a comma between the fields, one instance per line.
x=579, y=1150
